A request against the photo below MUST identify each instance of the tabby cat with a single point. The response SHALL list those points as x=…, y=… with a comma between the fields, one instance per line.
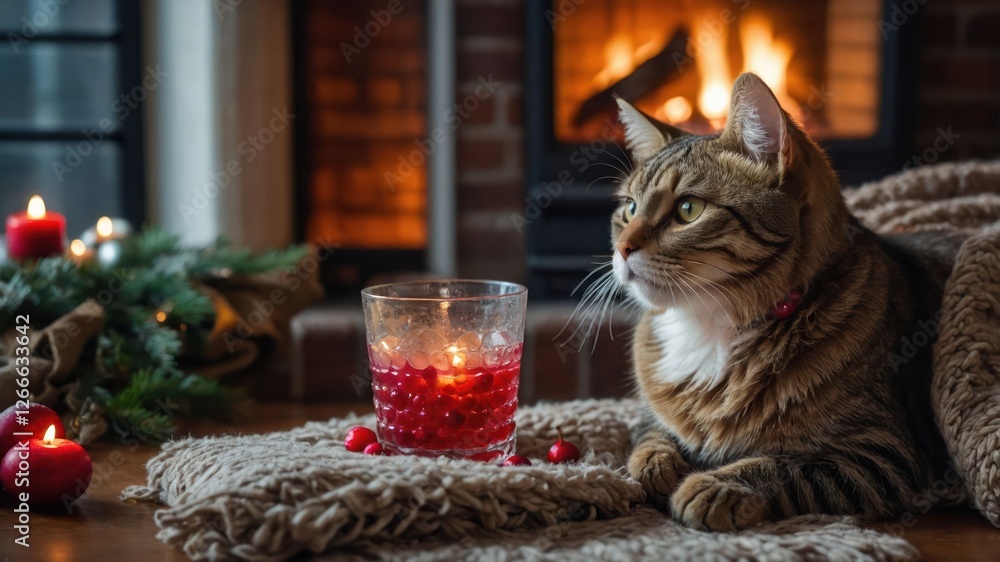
x=775, y=350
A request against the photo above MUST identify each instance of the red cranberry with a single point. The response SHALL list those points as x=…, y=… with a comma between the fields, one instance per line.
x=563, y=451
x=484, y=383
x=358, y=438
x=517, y=460
x=454, y=418
x=373, y=449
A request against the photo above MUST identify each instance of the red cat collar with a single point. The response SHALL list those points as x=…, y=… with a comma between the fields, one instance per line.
x=786, y=306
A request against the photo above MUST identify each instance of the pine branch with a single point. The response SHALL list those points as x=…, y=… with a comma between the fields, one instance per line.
x=47, y=289
x=153, y=294
x=150, y=245
x=243, y=262
x=153, y=399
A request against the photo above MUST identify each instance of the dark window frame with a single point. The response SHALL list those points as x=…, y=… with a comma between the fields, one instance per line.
x=129, y=136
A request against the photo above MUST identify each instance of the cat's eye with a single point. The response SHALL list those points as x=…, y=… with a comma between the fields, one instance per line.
x=689, y=209
x=630, y=208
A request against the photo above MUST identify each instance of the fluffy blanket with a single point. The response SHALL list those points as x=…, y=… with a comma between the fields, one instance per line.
x=269, y=497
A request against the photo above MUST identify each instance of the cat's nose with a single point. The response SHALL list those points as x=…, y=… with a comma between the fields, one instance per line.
x=626, y=247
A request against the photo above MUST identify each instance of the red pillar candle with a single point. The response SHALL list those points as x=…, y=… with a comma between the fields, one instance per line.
x=36, y=233
x=47, y=471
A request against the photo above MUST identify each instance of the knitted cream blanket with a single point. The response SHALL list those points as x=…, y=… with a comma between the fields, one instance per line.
x=269, y=497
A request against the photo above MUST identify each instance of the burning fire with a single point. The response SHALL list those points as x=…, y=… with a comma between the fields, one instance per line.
x=618, y=61
x=675, y=110
x=762, y=52
x=713, y=69
x=620, y=58
x=768, y=57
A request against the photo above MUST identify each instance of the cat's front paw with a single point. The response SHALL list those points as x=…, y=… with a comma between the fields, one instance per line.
x=706, y=502
x=658, y=469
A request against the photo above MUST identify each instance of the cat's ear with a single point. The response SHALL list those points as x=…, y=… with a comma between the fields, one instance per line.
x=757, y=124
x=644, y=136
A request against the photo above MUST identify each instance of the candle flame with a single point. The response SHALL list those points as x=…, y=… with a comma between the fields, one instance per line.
x=36, y=208
x=457, y=357
x=105, y=227
x=77, y=247
x=50, y=434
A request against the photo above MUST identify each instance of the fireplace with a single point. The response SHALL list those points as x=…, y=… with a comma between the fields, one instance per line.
x=360, y=96
x=838, y=66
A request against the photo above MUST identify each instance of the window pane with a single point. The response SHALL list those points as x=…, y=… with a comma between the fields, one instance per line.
x=28, y=18
x=57, y=86
x=87, y=191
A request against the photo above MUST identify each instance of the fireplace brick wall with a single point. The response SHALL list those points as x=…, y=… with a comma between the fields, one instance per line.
x=960, y=78
x=490, y=142
x=365, y=88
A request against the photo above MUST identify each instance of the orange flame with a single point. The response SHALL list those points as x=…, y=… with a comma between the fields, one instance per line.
x=621, y=58
x=768, y=57
x=50, y=434
x=763, y=54
x=713, y=69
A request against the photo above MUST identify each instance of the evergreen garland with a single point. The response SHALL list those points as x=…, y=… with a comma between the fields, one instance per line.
x=131, y=372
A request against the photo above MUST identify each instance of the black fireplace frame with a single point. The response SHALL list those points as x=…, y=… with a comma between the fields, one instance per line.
x=566, y=222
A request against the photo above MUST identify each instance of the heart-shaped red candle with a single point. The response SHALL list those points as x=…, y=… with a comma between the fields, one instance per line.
x=49, y=471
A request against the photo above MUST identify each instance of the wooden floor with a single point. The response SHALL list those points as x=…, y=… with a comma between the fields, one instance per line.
x=103, y=528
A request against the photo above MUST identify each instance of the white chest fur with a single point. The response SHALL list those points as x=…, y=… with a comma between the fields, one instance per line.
x=694, y=345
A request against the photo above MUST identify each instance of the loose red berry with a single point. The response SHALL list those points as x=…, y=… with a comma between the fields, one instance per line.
x=373, y=449
x=517, y=460
x=358, y=438
x=563, y=451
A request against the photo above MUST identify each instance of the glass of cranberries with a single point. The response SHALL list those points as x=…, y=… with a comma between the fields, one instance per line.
x=445, y=358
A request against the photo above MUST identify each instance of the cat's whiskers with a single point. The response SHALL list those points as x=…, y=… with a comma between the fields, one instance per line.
x=731, y=301
x=608, y=307
x=703, y=303
x=600, y=265
x=626, y=163
x=674, y=281
x=589, y=185
x=608, y=292
x=715, y=267
x=594, y=305
x=625, y=173
x=698, y=294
